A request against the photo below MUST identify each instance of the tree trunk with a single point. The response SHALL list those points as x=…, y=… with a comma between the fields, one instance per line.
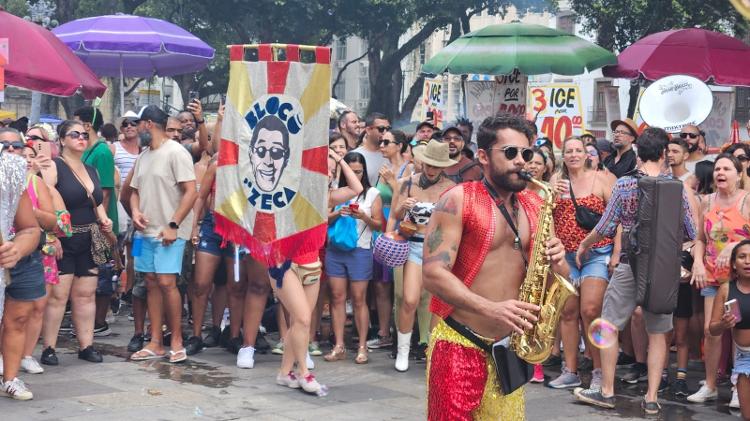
x=415, y=93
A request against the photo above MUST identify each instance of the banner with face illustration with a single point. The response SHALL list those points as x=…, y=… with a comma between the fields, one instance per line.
x=272, y=174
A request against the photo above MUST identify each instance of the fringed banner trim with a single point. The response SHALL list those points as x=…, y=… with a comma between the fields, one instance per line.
x=275, y=253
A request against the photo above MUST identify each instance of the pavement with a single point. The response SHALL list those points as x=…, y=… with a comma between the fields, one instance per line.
x=209, y=386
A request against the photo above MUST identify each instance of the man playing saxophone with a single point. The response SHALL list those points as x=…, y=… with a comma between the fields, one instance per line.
x=476, y=252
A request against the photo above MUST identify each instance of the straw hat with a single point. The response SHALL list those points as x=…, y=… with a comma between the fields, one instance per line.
x=435, y=154
x=629, y=123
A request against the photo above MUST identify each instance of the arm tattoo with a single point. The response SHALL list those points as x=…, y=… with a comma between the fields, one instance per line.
x=442, y=257
x=435, y=238
x=447, y=205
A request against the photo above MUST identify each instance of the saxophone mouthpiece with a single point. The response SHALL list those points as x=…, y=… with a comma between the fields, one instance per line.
x=524, y=175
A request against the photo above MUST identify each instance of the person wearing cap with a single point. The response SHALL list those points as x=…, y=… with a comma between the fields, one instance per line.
x=587, y=137
x=465, y=169
x=413, y=206
x=163, y=192
x=623, y=161
x=425, y=130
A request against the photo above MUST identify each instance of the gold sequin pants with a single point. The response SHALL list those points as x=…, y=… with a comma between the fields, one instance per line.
x=462, y=383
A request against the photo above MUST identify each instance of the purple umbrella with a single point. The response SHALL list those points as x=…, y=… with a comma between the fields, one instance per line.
x=134, y=46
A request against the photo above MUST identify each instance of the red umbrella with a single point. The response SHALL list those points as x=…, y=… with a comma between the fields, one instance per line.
x=39, y=61
x=709, y=56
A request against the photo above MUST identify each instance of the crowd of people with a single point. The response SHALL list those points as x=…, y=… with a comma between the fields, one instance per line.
x=128, y=217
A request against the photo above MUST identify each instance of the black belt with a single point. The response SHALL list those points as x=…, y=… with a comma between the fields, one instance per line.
x=468, y=334
x=416, y=239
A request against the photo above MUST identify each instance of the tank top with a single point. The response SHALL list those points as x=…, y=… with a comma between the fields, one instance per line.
x=566, y=227
x=124, y=161
x=723, y=226
x=386, y=192
x=744, y=302
x=75, y=196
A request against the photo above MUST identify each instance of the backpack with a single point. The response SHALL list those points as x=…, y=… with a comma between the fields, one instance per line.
x=655, y=243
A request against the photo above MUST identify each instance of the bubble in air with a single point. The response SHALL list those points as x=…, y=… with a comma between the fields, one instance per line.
x=602, y=333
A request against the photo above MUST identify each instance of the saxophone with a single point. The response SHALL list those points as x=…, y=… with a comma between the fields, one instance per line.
x=535, y=344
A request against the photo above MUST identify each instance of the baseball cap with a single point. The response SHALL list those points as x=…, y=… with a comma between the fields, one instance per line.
x=153, y=113
x=426, y=123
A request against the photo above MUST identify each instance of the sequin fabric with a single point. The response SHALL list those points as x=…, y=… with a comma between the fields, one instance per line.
x=478, y=231
x=12, y=185
x=462, y=383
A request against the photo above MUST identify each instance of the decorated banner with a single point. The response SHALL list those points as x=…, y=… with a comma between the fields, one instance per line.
x=272, y=175
x=3, y=64
x=433, y=101
x=502, y=94
x=558, y=111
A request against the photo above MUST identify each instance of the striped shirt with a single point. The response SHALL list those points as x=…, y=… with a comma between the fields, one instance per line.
x=124, y=161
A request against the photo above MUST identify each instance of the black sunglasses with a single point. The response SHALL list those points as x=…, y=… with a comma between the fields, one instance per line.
x=14, y=145
x=35, y=138
x=511, y=152
x=383, y=129
x=386, y=142
x=276, y=153
x=691, y=135
x=742, y=158
x=129, y=123
x=75, y=135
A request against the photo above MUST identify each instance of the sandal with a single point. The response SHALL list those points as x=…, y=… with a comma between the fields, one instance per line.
x=361, y=356
x=177, y=356
x=146, y=354
x=336, y=354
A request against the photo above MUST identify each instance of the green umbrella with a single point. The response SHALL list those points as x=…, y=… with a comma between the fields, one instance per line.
x=532, y=49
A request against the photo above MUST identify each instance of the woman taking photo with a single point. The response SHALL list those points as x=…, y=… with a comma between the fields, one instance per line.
x=297, y=288
x=738, y=290
x=79, y=187
x=725, y=216
x=413, y=206
x=580, y=186
x=23, y=262
x=352, y=269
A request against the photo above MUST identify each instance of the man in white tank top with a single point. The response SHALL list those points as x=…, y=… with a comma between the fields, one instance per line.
x=126, y=151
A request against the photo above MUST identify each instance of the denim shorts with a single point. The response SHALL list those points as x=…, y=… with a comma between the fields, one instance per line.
x=210, y=241
x=157, y=258
x=354, y=265
x=709, y=291
x=27, y=279
x=416, y=248
x=593, y=266
x=741, y=363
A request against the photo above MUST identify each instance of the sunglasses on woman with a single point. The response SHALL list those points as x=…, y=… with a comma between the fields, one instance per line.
x=35, y=138
x=75, y=135
x=742, y=158
x=511, y=152
x=386, y=142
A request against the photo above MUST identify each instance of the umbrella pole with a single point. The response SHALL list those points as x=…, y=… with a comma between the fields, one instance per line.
x=122, y=90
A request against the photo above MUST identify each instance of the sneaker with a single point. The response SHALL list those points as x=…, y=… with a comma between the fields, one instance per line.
x=552, y=361
x=193, y=345
x=663, y=383
x=31, y=366
x=102, y=330
x=635, y=375
x=704, y=394
x=49, y=356
x=314, y=349
x=380, y=342
x=538, y=374
x=596, y=379
x=225, y=337
x=136, y=342
x=213, y=337
x=245, y=357
x=289, y=380
x=261, y=344
x=594, y=397
x=278, y=349
x=16, y=389
x=565, y=380
x=234, y=345
x=651, y=408
x=90, y=354
x=309, y=384
x=625, y=361
x=735, y=402
x=420, y=354
x=679, y=387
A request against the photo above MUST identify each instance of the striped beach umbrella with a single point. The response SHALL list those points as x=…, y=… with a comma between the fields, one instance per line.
x=532, y=49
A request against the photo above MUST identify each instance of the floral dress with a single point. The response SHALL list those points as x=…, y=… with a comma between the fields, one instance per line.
x=723, y=226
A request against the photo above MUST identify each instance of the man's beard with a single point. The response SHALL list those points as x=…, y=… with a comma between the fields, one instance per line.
x=692, y=147
x=455, y=156
x=504, y=182
x=145, y=138
x=618, y=146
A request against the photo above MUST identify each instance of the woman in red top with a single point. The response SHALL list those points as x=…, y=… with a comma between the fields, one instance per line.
x=591, y=189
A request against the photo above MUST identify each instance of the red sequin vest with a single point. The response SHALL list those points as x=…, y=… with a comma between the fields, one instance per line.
x=478, y=231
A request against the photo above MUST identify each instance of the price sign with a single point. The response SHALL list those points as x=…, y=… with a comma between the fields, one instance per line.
x=433, y=101
x=558, y=110
x=502, y=94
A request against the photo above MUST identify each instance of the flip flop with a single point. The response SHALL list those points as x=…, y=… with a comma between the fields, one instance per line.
x=177, y=356
x=146, y=354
